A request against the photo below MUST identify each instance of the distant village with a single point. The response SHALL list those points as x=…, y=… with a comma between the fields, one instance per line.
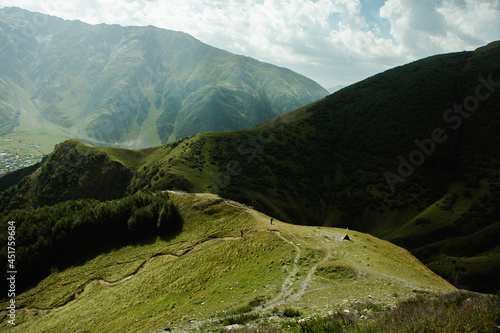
x=12, y=161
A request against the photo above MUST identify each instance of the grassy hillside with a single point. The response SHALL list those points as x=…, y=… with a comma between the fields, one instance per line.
x=336, y=163
x=227, y=261
x=73, y=171
x=131, y=86
x=344, y=161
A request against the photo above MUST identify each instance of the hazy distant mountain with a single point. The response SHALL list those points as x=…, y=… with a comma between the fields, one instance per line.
x=131, y=86
x=335, y=89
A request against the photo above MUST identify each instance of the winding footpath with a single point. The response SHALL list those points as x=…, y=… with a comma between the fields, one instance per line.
x=292, y=288
x=81, y=289
x=287, y=295
x=286, y=287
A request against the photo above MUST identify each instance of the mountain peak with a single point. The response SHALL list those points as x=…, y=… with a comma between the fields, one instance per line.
x=132, y=86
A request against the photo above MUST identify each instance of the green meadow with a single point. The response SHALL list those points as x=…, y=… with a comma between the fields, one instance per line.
x=205, y=273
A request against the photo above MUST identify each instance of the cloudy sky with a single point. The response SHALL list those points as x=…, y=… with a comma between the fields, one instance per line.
x=334, y=42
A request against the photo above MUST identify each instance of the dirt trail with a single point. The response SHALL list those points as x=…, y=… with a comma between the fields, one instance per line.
x=103, y=282
x=128, y=277
x=287, y=294
x=308, y=279
x=286, y=287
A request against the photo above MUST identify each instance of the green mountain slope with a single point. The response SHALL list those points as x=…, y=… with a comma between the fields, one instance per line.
x=227, y=256
x=72, y=171
x=131, y=86
x=334, y=163
x=409, y=155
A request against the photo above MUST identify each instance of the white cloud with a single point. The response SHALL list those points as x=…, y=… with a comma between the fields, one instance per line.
x=471, y=24
x=413, y=24
x=331, y=41
x=424, y=27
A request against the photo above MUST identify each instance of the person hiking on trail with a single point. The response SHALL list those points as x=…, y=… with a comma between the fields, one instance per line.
x=241, y=232
x=271, y=220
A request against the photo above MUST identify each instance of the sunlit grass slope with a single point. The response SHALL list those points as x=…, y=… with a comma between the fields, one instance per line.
x=226, y=257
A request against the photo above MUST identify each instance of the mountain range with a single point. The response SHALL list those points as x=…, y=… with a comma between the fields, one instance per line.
x=130, y=86
x=191, y=230
x=409, y=155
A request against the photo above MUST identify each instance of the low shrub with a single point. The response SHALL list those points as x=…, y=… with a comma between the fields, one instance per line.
x=291, y=313
x=240, y=319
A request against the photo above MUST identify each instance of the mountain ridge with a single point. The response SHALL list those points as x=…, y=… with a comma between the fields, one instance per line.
x=326, y=163
x=132, y=86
